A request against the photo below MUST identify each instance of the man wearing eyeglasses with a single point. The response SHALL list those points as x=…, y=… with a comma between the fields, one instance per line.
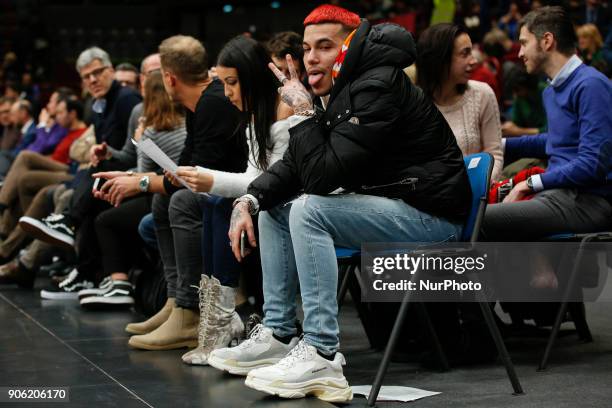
x=127, y=75
x=102, y=151
x=113, y=103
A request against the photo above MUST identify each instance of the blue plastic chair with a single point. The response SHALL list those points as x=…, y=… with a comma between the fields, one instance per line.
x=479, y=167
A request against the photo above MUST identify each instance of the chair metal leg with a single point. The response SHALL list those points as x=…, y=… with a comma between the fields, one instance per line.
x=501, y=347
x=384, y=364
x=497, y=338
x=563, y=307
x=364, y=313
x=553, y=336
x=348, y=271
x=444, y=365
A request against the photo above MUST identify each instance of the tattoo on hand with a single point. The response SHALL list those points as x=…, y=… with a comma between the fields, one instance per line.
x=296, y=96
x=237, y=214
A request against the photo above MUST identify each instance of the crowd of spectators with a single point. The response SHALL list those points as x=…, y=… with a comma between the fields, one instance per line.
x=82, y=201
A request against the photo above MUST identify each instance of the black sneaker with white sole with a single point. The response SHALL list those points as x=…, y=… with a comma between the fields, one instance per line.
x=120, y=293
x=68, y=288
x=55, y=229
x=101, y=289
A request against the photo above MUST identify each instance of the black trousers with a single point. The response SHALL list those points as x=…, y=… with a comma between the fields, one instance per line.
x=82, y=211
x=83, y=203
x=117, y=233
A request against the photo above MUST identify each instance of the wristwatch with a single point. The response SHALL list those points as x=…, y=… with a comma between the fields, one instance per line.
x=143, y=184
x=530, y=183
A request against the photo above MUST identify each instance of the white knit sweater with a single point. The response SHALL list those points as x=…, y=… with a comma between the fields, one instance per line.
x=475, y=122
x=230, y=185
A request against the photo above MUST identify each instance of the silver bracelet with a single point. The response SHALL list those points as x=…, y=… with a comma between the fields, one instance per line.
x=252, y=207
x=307, y=113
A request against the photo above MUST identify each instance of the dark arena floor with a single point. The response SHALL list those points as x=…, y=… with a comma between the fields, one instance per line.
x=55, y=343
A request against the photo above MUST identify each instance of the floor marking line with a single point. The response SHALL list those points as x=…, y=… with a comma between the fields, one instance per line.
x=75, y=351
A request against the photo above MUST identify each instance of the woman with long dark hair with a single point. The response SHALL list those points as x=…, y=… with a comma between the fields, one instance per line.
x=242, y=66
x=444, y=66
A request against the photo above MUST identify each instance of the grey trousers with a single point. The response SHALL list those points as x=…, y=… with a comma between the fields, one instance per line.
x=549, y=212
x=178, y=225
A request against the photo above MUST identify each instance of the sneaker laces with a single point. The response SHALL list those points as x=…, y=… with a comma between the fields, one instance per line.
x=255, y=336
x=53, y=217
x=297, y=354
x=70, y=278
x=207, y=334
x=203, y=304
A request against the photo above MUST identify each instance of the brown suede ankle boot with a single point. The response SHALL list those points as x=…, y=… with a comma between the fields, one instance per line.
x=180, y=330
x=152, y=322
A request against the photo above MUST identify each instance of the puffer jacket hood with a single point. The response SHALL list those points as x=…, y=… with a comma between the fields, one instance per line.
x=384, y=44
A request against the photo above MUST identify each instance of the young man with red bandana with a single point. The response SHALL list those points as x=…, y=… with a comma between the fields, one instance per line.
x=374, y=162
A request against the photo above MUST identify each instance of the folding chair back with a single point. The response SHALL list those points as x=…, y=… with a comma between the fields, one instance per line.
x=479, y=167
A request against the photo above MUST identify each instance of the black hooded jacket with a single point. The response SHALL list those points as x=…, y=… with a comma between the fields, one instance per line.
x=379, y=135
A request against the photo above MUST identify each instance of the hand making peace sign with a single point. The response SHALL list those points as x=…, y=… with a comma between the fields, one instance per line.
x=293, y=92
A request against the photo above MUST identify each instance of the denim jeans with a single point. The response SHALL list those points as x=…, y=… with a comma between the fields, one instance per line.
x=297, y=243
x=146, y=230
x=219, y=261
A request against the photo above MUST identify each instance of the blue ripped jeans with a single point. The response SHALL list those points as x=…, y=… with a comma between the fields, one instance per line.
x=297, y=243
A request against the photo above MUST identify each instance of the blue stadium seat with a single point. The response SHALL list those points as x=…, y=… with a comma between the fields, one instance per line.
x=479, y=167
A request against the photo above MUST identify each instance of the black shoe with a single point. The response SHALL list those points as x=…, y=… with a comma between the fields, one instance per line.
x=55, y=229
x=117, y=293
x=101, y=289
x=54, y=267
x=68, y=288
x=14, y=272
x=62, y=274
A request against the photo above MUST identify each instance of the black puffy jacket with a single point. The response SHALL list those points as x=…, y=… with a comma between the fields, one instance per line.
x=379, y=135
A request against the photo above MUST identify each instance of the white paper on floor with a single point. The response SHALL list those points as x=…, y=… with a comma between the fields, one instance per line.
x=394, y=393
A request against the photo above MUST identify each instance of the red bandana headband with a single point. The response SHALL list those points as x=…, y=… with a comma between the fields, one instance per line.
x=342, y=55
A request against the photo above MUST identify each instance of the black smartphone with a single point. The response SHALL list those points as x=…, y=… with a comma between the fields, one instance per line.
x=244, y=244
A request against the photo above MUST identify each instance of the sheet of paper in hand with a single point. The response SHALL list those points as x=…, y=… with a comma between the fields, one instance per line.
x=156, y=154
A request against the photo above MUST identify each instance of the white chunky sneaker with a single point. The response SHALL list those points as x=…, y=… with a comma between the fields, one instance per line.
x=303, y=372
x=260, y=350
x=219, y=322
